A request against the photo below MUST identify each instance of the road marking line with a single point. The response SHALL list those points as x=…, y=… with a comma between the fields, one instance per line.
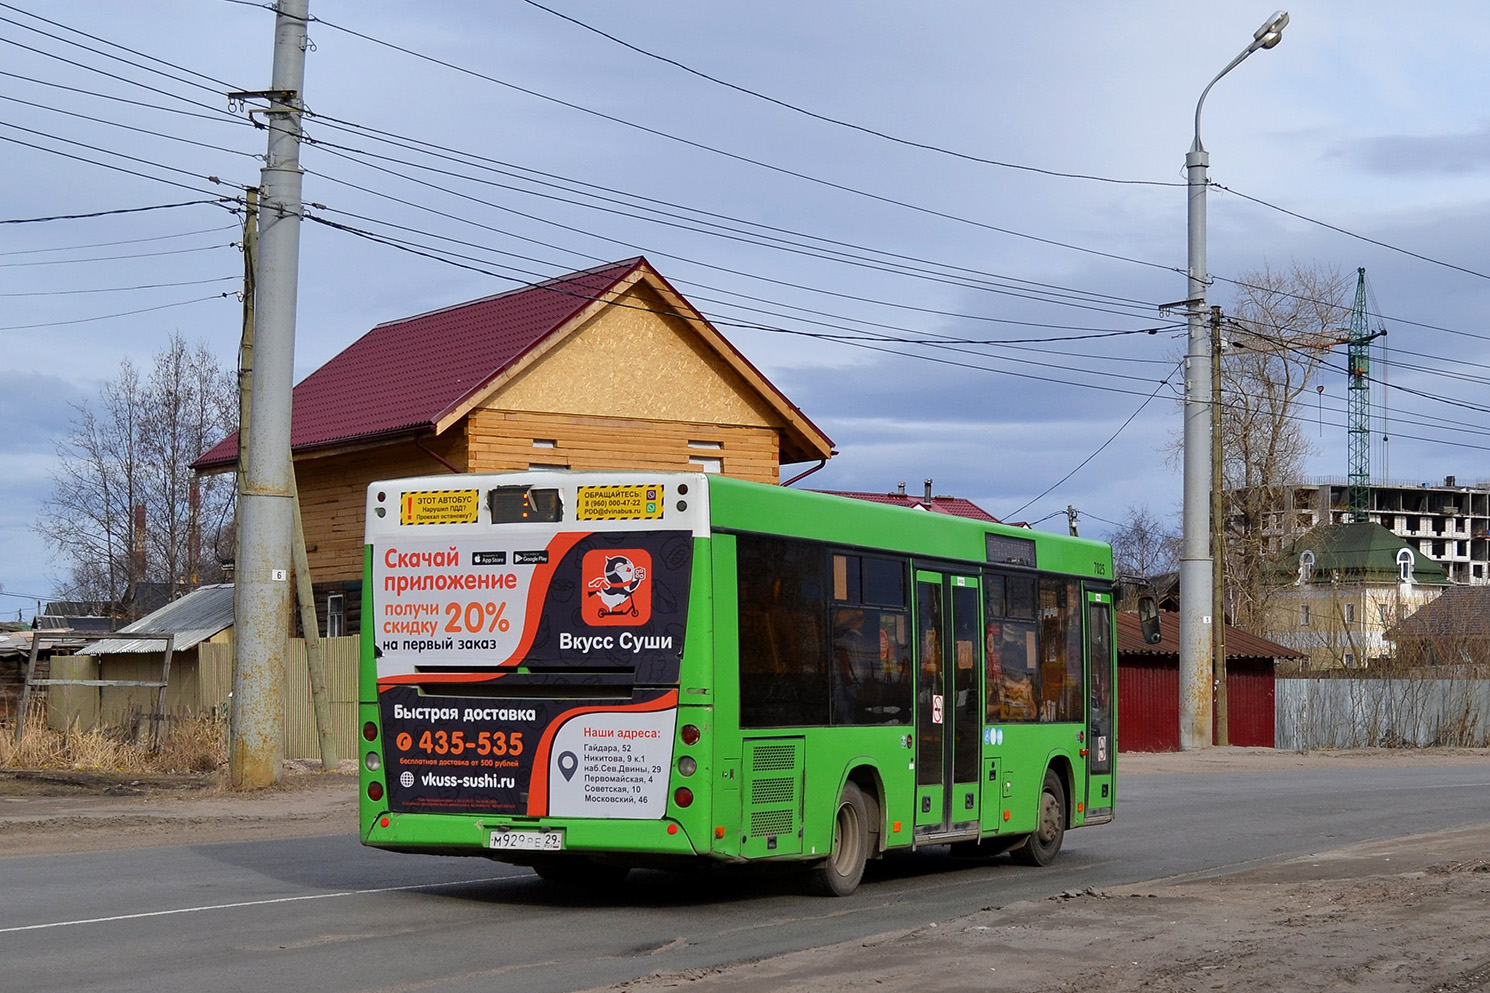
x=244, y=903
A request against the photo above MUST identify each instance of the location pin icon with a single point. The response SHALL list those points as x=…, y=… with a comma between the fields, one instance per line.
x=568, y=762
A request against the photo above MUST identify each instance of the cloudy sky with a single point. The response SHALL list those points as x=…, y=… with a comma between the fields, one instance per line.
x=940, y=297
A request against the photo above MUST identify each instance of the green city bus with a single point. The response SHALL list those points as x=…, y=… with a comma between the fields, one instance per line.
x=588, y=671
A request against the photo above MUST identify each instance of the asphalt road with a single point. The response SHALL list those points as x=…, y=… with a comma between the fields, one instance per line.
x=328, y=915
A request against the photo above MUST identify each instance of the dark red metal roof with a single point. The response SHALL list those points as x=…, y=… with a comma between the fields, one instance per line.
x=1239, y=644
x=403, y=376
x=955, y=506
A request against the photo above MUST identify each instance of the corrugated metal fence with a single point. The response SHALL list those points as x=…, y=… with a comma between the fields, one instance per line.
x=301, y=741
x=1373, y=713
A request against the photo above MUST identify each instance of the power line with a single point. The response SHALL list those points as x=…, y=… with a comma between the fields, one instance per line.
x=1351, y=234
x=954, y=274
x=110, y=213
x=925, y=146
x=739, y=157
x=129, y=127
x=117, y=258
x=108, y=317
x=218, y=84
x=121, y=289
x=126, y=241
x=1100, y=449
x=108, y=165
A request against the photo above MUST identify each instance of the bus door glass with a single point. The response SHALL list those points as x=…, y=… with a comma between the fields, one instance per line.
x=1101, y=707
x=949, y=704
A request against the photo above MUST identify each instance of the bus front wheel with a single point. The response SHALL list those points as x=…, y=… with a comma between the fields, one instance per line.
x=1044, y=844
x=840, y=874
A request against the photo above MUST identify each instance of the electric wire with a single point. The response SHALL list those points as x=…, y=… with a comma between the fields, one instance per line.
x=739, y=157
x=110, y=213
x=922, y=269
x=117, y=258
x=120, y=289
x=925, y=146
x=115, y=244
x=116, y=168
x=611, y=194
x=109, y=317
x=1100, y=449
x=129, y=127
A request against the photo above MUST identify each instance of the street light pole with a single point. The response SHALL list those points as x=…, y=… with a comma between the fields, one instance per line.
x=1196, y=585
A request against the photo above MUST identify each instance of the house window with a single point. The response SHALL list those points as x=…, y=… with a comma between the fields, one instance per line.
x=1303, y=615
x=1405, y=560
x=336, y=616
x=1306, y=567
x=706, y=464
x=1349, y=613
x=545, y=443
x=1350, y=660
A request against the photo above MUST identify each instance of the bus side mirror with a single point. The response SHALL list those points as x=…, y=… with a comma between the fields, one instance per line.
x=1148, y=619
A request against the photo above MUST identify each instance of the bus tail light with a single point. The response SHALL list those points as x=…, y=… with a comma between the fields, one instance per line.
x=375, y=791
x=370, y=731
x=687, y=765
x=683, y=796
x=690, y=734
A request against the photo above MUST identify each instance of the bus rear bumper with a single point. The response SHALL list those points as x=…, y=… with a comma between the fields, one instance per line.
x=455, y=834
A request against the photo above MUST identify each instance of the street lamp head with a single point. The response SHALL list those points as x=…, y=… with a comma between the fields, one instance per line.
x=1270, y=33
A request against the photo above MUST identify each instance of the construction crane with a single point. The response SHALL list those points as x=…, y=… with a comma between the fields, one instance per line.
x=1358, y=371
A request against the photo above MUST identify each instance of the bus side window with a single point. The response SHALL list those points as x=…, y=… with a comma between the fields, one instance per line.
x=1060, y=650
x=783, y=637
x=870, y=674
x=1010, y=644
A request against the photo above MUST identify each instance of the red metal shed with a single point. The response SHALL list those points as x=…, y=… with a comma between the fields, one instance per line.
x=1149, y=687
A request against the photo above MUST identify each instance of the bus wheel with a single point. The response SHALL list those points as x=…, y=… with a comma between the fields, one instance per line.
x=1044, y=845
x=580, y=872
x=840, y=874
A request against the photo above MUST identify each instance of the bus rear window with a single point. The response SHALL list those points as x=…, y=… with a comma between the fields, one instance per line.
x=521, y=504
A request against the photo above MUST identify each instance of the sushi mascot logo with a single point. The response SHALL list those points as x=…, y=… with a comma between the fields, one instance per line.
x=618, y=587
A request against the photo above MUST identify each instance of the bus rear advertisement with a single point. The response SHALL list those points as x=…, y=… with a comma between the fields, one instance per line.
x=589, y=671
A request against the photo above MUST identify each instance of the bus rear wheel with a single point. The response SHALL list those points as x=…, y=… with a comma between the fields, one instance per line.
x=840, y=874
x=1041, y=847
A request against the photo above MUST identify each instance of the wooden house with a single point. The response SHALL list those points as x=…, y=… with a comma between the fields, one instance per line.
x=609, y=367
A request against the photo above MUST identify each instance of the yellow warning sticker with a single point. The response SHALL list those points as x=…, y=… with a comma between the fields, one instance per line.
x=440, y=507
x=619, y=503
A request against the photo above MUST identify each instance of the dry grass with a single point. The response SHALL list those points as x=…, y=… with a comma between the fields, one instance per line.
x=188, y=745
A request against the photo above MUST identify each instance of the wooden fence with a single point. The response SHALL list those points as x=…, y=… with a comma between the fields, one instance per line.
x=301, y=741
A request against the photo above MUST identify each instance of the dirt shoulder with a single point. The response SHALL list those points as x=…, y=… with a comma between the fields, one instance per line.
x=48, y=812
x=1403, y=915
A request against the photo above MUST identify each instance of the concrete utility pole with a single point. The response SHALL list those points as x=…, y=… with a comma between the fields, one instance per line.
x=265, y=510
x=1195, y=560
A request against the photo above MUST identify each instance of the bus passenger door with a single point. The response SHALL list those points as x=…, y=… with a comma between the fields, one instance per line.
x=949, y=703
x=1101, y=708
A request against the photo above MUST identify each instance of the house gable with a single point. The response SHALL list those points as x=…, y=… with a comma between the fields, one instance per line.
x=636, y=361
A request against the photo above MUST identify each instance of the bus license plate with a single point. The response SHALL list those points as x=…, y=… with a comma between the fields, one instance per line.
x=528, y=841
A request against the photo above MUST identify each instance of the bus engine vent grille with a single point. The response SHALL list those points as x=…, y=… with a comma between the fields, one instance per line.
x=774, y=758
x=768, y=822
x=773, y=791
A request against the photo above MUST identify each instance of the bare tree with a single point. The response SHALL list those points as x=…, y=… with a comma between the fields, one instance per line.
x=1282, y=325
x=1145, y=547
x=126, y=508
